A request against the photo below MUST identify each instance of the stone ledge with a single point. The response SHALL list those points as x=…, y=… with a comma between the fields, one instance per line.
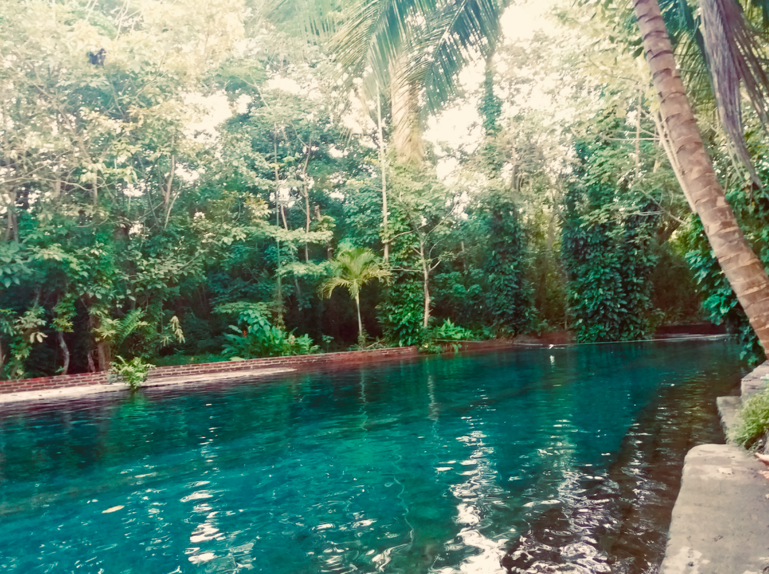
x=729, y=410
x=755, y=381
x=720, y=521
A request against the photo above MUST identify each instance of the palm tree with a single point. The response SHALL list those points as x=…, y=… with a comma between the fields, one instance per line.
x=723, y=53
x=742, y=268
x=414, y=48
x=352, y=269
x=441, y=33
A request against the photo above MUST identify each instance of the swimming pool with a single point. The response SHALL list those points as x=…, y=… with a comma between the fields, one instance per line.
x=562, y=460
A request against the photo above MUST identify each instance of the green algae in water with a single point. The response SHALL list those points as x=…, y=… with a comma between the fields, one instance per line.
x=564, y=460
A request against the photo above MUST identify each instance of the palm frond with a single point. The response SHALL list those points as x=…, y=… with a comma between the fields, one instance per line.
x=352, y=269
x=678, y=16
x=735, y=57
x=439, y=37
x=762, y=7
x=690, y=52
x=330, y=284
x=460, y=32
x=372, y=35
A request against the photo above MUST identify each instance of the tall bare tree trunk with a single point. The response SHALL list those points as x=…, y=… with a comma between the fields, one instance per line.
x=425, y=283
x=407, y=131
x=11, y=230
x=307, y=223
x=638, y=136
x=383, y=167
x=278, y=209
x=168, y=199
x=306, y=195
x=742, y=268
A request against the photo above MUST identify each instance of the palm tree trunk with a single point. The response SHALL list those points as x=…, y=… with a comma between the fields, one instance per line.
x=742, y=268
x=361, y=340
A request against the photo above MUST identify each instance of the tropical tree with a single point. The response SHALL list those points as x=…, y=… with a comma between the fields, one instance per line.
x=743, y=269
x=381, y=29
x=352, y=269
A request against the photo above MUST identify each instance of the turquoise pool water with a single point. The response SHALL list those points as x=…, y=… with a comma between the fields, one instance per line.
x=562, y=460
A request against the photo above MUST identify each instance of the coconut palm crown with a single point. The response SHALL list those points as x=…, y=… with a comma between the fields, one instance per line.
x=414, y=49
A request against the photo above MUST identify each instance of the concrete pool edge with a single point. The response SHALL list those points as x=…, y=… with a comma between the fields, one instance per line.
x=720, y=520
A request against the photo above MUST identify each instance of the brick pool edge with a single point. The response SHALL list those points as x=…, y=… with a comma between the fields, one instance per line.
x=300, y=362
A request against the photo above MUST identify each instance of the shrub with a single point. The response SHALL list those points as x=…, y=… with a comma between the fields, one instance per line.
x=133, y=372
x=402, y=313
x=451, y=332
x=257, y=337
x=448, y=332
x=753, y=420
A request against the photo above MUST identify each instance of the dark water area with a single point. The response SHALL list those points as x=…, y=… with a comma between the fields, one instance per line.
x=561, y=460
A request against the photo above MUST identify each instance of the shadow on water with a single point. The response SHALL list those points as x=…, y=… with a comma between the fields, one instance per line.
x=617, y=522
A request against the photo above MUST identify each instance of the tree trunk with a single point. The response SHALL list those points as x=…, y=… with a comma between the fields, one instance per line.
x=407, y=131
x=329, y=248
x=168, y=200
x=103, y=351
x=425, y=283
x=668, y=147
x=307, y=226
x=306, y=194
x=638, y=137
x=361, y=339
x=383, y=168
x=64, y=353
x=11, y=230
x=742, y=268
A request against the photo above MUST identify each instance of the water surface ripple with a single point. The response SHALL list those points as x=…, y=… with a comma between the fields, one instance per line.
x=561, y=460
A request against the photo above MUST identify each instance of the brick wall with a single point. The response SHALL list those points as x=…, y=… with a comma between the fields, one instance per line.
x=303, y=362
x=41, y=383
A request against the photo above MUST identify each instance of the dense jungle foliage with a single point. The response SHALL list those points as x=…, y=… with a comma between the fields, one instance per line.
x=203, y=180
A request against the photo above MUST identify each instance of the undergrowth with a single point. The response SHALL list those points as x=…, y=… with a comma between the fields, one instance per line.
x=753, y=421
x=133, y=373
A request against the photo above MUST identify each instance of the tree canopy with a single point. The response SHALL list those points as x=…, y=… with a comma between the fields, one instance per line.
x=178, y=182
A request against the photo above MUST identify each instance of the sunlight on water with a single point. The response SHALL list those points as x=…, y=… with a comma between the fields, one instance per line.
x=559, y=460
